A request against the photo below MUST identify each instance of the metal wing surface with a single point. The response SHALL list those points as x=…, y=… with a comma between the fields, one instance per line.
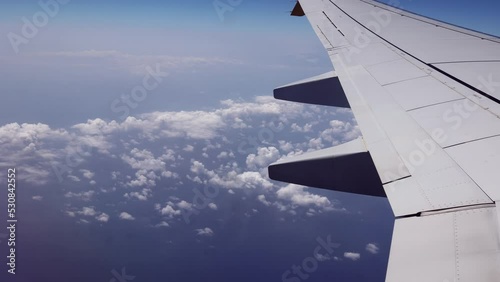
x=426, y=96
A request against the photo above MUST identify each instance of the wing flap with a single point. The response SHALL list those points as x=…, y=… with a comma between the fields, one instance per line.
x=332, y=169
x=323, y=90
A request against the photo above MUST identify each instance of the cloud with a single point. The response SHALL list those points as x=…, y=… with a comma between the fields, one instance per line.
x=143, y=195
x=143, y=159
x=263, y=200
x=74, y=178
x=43, y=152
x=205, y=232
x=321, y=257
x=162, y=224
x=298, y=196
x=149, y=169
x=184, y=205
x=352, y=256
x=84, y=196
x=29, y=134
x=235, y=180
x=87, y=173
x=126, y=216
x=191, y=125
x=37, y=198
x=88, y=211
x=169, y=211
x=188, y=148
x=285, y=146
x=231, y=179
x=136, y=63
x=340, y=131
x=306, y=128
x=212, y=206
x=103, y=217
x=264, y=157
x=35, y=174
x=372, y=248
x=223, y=155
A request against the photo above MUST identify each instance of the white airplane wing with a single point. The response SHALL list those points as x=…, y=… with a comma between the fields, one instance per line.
x=426, y=96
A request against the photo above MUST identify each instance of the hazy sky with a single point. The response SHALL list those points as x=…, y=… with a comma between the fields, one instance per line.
x=174, y=186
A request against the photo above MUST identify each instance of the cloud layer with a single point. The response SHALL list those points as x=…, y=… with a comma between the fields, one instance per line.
x=228, y=148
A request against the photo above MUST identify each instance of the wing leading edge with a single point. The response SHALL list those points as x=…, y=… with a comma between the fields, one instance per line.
x=424, y=95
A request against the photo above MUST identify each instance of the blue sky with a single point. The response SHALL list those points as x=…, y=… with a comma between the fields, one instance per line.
x=105, y=185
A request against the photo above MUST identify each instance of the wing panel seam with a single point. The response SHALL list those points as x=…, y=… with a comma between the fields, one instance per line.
x=461, y=62
x=338, y=29
x=392, y=181
x=419, y=60
x=456, y=251
x=331, y=45
x=470, y=141
x=434, y=24
x=435, y=104
x=403, y=80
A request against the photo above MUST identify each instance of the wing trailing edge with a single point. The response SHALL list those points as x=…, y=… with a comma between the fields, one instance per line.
x=346, y=168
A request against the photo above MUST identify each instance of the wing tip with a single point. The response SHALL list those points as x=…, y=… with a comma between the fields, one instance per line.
x=297, y=10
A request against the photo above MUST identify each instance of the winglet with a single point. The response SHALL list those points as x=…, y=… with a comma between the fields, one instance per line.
x=324, y=89
x=346, y=168
x=297, y=10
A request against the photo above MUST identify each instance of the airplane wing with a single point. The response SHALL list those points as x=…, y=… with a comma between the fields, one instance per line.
x=426, y=96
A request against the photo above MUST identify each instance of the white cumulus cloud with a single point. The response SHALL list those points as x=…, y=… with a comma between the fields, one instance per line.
x=372, y=248
x=299, y=196
x=103, y=217
x=126, y=216
x=205, y=232
x=352, y=256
